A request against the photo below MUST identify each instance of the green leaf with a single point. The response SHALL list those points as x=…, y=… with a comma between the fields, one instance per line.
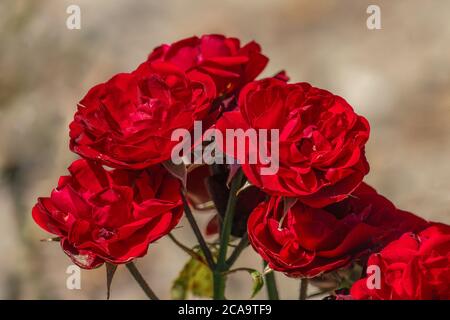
x=194, y=278
x=110, y=270
x=258, y=282
x=257, y=277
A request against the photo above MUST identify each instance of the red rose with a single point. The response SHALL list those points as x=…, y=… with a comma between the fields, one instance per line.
x=230, y=65
x=414, y=267
x=128, y=121
x=321, y=140
x=308, y=241
x=109, y=216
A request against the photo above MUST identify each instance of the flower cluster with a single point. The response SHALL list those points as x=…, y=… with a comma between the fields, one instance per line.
x=125, y=124
x=313, y=216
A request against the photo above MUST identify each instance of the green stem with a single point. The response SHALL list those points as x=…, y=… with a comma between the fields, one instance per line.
x=221, y=267
x=141, y=281
x=237, y=251
x=271, y=285
x=219, y=285
x=249, y=270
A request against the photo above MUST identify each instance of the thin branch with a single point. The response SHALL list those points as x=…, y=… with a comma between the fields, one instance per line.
x=237, y=269
x=237, y=250
x=141, y=281
x=189, y=251
x=303, y=289
x=55, y=239
x=197, y=232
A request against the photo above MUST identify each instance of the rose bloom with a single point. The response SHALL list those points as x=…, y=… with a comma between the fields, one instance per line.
x=109, y=216
x=414, y=267
x=230, y=65
x=306, y=241
x=321, y=140
x=127, y=122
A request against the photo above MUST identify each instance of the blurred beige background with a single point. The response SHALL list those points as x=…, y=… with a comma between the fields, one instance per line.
x=398, y=77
